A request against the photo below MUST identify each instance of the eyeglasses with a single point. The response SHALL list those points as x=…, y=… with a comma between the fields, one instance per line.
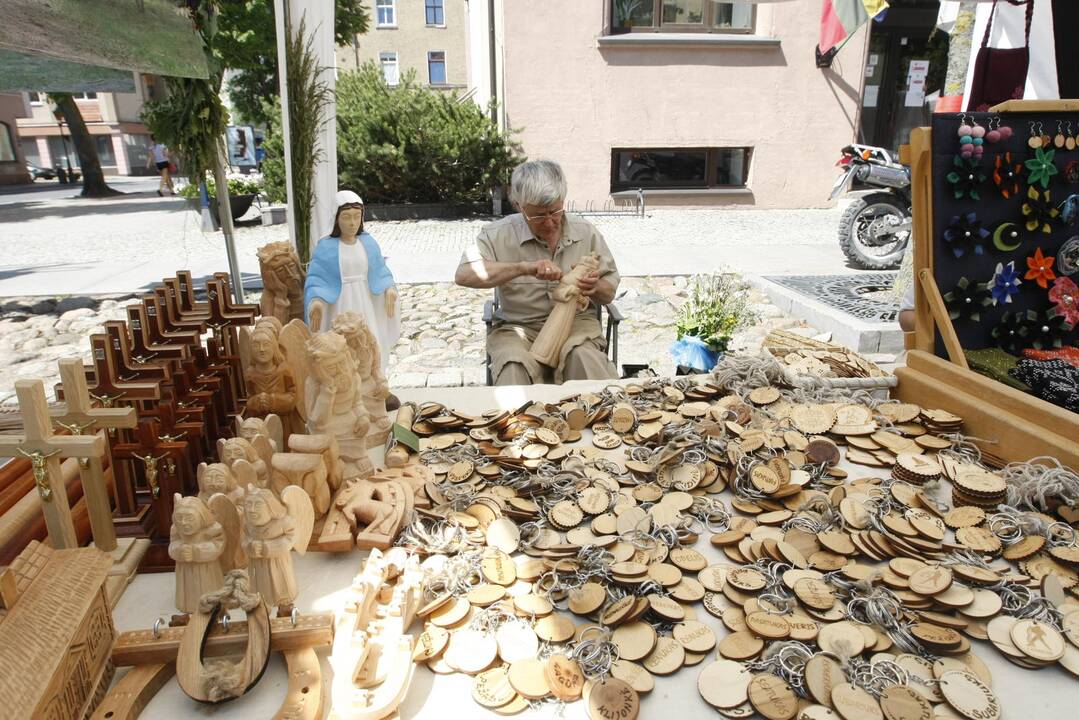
x=556, y=215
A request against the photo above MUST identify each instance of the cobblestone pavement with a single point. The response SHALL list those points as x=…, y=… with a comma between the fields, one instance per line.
x=442, y=341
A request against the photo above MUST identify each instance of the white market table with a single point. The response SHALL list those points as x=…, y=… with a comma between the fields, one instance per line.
x=1047, y=694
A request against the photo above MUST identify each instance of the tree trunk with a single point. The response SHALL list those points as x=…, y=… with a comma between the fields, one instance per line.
x=959, y=49
x=93, y=180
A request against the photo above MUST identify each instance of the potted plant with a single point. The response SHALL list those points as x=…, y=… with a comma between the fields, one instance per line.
x=623, y=15
x=718, y=306
x=242, y=192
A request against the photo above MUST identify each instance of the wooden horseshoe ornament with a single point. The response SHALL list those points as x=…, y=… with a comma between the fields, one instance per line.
x=221, y=680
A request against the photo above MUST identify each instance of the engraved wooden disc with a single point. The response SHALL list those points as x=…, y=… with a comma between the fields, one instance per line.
x=768, y=625
x=666, y=608
x=688, y=559
x=636, y=676
x=451, y=613
x=969, y=696
x=823, y=673
x=817, y=594
x=617, y=611
x=613, y=699
x=842, y=639
x=587, y=599
x=431, y=642
x=492, y=688
x=564, y=677
x=606, y=441
x=695, y=636
x=742, y=645
x=746, y=579
x=667, y=657
x=931, y=580
x=1038, y=640
x=1070, y=623
x=555, y=628
x=854, y=703
x=772, y=697
x=498, y=568
x=724, y=684
x=634, y=640
x=713, y=577
x=486, y=594
x=529, y=679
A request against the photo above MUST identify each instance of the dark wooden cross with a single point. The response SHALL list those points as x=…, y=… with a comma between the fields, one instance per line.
x=144, y=347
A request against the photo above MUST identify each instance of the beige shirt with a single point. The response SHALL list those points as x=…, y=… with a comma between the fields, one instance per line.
x=526, y=299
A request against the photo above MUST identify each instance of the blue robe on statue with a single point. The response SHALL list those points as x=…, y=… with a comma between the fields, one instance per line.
x=324, y=272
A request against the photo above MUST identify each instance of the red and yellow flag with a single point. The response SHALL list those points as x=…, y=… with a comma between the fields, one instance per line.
x=840, y=18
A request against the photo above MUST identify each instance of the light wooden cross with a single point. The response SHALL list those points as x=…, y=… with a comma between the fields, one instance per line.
x=45, y=450
x=79, y=417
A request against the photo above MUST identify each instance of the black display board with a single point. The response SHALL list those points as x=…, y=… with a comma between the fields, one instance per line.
x=991, y=209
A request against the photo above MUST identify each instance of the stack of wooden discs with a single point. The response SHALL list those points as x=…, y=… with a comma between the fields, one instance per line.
x=916, y=469
x=972, y=485
x=941, y=422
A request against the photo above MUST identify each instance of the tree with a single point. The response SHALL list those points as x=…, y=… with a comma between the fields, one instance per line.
x=246, y=42
x=93, y=179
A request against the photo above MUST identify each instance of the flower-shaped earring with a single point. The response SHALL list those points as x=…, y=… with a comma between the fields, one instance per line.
x=1040, y=168
x=1040, y=269
x=1048, y=332
x=1068, y=257
x=1071, y=172
x=1004, y=284
x=1065, y=298
x=1007, y=175
x=1012, y=331
x=966, y=231
x=1039, y=211
x=966, y=300
x=966, y=178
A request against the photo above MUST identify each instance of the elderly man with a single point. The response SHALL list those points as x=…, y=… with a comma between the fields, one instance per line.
x=524, y=256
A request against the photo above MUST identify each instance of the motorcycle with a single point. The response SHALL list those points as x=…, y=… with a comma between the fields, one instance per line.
x=875, y=230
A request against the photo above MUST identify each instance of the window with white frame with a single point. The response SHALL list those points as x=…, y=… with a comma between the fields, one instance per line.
x=391, y=71
x=436, y=12
x=7, y=145
x=37, y=98
x=386, y=13
x=686, y=16
x=436, y=67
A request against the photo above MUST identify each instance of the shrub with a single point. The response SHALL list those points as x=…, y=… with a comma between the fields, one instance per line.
x=238, y=185
x=718, y=305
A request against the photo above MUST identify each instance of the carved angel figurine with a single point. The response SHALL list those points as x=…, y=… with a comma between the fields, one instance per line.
x=270, y=385
x=282, y=281
x=568, y=300
x=257, y=452
x=272, y=529
x=268, y=426
x=365, y=354
x=214, y=478
x=334, y=403
x=196, y=543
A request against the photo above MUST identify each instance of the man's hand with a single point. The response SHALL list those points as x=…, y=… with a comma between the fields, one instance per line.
x=586, y=284
x=544, y=270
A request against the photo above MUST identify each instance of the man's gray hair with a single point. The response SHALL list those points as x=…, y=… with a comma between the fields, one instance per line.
x=537, y=182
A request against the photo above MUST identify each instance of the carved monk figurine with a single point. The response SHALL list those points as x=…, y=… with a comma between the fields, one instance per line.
x=268, y=538
x=282, y=281
x=568, y=301
x=270, y=385
x=196, y=542
x=216, y=478
x=365, y=354
x=334, y=403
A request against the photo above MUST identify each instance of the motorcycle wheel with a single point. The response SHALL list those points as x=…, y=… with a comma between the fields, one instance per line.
x=856, y=224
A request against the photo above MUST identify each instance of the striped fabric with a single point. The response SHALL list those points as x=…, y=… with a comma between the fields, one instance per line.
x=840, y=18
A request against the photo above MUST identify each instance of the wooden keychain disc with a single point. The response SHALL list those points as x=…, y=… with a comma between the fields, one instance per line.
x=969, y=696
x=1038, y=640
x=529, y=679
x=516, y=641
x=635, y=640
x=724, y=684
x=586, y=599
x=842, y=639
x=613, y=698
x=823, y=673
x=742, y=646
x=492, y=688
x=638, y=678
x=667, y=657
x=854, y=703
x=899, y=702
x=565, y=678
x=695, y=636
x=772, y=697
x=431, y=642
x=471, y=651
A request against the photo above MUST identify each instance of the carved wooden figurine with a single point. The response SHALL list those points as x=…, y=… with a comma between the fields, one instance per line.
x=334, y=404
x=270, y=384
x=547, y=346
x=258, y=452
x=373, y=386
x=217, y=478
x=282, y=281
x=269, y=426
x=377, y=509
x=195, y=543
x=272, y=528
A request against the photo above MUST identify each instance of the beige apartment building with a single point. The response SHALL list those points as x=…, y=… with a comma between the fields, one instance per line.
x=12, y=162
x=426, y=36
x=696, y=102
x=121, y=138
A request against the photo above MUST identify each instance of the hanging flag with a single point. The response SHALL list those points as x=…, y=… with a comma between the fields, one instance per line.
x=840, y=18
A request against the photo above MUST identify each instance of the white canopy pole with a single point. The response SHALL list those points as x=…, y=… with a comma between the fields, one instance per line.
x=280, y=20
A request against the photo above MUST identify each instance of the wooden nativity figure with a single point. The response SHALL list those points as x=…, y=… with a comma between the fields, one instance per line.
x=365, y=354
x=568, y=301
x=282, y=281
x=196, y=543
x=272, y=529
x=270, y=385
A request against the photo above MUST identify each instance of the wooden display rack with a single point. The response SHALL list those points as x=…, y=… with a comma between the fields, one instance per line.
x=1007, y=423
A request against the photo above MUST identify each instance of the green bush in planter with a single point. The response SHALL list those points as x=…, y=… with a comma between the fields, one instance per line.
x=237, y=186
x=717, y=307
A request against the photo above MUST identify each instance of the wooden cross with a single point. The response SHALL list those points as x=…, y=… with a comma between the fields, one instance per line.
x=144, y=347
x=44, y=451
x=174, y=299
x=187, y=294
x=78, y=417
x=157, y=329
x=164, y=467
x=120, y=348
x=172, y=317
x=109, y=385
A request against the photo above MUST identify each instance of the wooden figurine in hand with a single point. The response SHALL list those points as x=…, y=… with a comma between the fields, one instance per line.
x=365, y=354
x=348, y=274
x=271, y=388
x=568, y=301
x=334, y=403
x=282, y=281
x=272, y=529
x=196, y=543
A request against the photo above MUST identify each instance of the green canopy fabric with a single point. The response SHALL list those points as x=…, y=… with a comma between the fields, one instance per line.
x=36, y=73
x=149, y=36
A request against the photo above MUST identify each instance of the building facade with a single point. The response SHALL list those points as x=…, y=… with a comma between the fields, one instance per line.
x=694, y=101
x=112, y=119
x=428, y=37
x=12, y=160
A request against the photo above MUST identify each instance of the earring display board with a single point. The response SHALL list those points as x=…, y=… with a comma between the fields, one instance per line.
x=1011, y=424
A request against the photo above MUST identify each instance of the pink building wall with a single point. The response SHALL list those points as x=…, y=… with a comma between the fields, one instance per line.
x=575, y=100
x=12, y=107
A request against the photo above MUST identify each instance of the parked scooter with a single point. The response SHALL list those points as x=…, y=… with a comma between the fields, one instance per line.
x=875, y=229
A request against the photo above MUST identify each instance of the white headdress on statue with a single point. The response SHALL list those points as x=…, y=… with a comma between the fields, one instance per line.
x=347, y=197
